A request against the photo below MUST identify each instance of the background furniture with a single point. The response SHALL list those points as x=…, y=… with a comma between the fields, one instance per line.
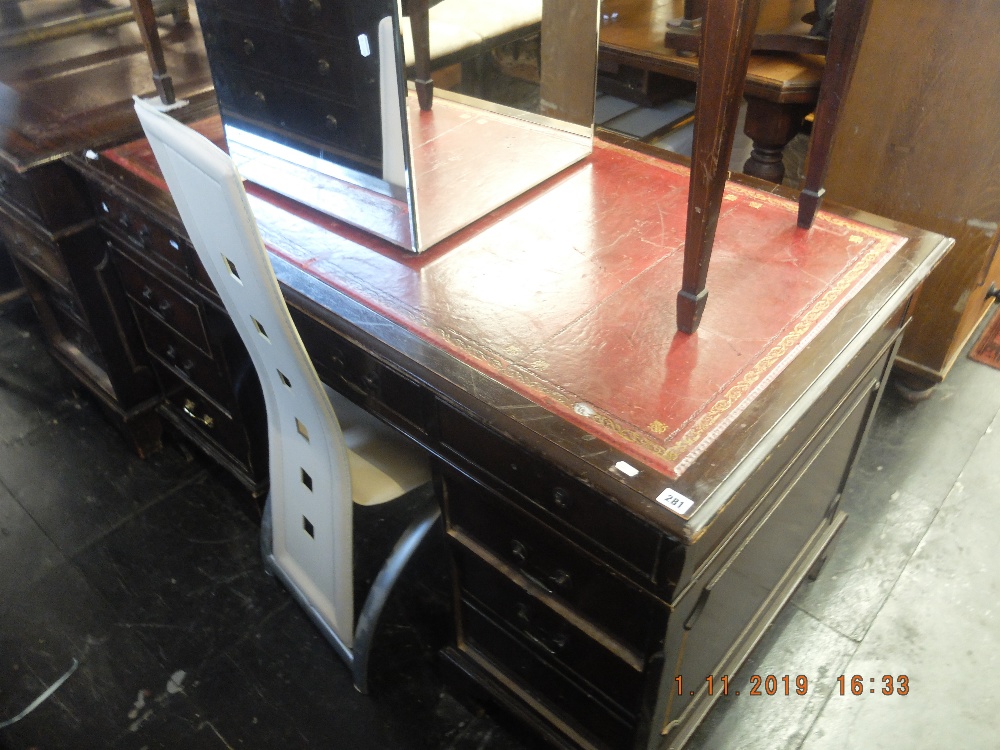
x=927, y=155
x=63, y=96
x=580, y=595
x=780, y=89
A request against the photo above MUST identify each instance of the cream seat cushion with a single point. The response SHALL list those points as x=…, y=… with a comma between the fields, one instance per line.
x=383, y=463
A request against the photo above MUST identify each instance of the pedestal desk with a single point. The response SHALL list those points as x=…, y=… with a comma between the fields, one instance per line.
x=627, y=507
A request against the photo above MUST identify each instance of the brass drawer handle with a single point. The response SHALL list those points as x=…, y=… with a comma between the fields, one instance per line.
x=561, y=499
x=550, y=582
x=190, y=406
x=551, y=643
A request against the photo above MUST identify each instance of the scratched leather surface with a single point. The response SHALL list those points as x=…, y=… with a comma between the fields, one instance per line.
x=567, y=294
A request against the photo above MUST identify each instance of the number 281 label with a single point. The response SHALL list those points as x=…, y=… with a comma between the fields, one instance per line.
x=677, y=502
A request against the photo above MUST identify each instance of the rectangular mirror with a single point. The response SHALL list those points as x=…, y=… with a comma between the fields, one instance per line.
x=407, y=120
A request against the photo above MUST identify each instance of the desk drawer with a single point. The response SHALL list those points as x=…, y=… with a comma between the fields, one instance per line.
x=552, y=562
x=348, y=368
x=289, y=110
x=576, y=645
x=308, y=60
x=35, y=251
x=77, y=336
x=563, y=500
x=564, y=695
x=185, y=360
x=51, y=194
x=151, y=238
x=200, y=414
x=163, y=302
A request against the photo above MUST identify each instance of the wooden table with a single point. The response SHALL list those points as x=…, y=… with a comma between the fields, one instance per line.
x=626, y=506
x=781, y=89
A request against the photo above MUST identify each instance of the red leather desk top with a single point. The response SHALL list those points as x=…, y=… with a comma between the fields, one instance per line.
x=566, y=295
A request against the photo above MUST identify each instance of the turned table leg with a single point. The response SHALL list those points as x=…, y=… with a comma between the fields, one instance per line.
x=771, y=125
x=727, y=34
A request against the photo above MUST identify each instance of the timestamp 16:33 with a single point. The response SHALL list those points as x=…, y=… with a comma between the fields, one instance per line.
x=797, y=685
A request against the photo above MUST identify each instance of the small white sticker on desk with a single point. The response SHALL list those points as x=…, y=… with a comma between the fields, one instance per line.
x=627, y=469
x=675, y=501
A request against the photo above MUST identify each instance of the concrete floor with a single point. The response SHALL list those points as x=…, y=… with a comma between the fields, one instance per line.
x=146, y=572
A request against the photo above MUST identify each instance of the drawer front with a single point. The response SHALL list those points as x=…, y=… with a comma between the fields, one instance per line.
x=76, y=336
x=310, y=61
x=200, y=414
x=291, y=111
x=567, y=697
x=35, y=251
x=562, y=499
x=67, y=303
x=162, y=301
x=596, y=660
x=52, y=194
x=16, y=190
x=331, y=17
x=185, y=360
x=125, y=223
x=551, y=562
x=346, y=367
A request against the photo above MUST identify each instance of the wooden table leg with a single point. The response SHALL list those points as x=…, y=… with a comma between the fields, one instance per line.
x=420, y=28
x=849, y=21
x=771, y=125
x=146, y=19
x=727, y=34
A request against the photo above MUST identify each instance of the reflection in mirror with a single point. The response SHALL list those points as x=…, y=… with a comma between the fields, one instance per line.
x=410, y=121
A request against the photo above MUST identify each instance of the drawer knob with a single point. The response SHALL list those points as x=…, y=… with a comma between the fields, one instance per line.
x=315, y=7
x=189, y=409
x=330, y=122
x=248, y=47
x=147, y=294
x=171, y=352
x=994, y=292
x=562, y=580
x=259, y=98
x=145, y=235
x=371, y=382
x=188, y=365
x=323, y=67
x=337, y=361
x=124, y=221
x=561, y=498
x=518, y=550
x=551, y=643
